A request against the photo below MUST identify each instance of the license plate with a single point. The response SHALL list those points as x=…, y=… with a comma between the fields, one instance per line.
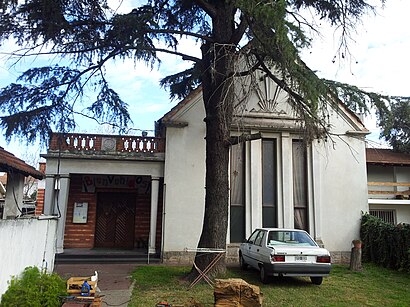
x=301, y=258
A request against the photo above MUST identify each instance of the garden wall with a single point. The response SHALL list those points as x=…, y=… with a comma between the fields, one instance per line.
x=23, y=243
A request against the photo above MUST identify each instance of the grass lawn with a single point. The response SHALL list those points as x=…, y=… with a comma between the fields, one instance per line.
x=375, y=286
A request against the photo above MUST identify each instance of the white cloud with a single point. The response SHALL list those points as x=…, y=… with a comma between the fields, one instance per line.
x=378, y=61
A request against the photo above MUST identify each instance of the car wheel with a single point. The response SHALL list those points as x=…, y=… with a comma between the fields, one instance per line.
x=242, y=262
x=264, y=278
x=316, y=280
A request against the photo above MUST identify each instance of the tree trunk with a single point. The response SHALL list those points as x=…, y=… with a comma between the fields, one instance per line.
x=356, y=259
x=236, y=292
x=217, y=86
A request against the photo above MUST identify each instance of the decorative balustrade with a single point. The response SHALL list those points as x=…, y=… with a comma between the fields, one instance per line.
x=75, y=142
x=140, y=144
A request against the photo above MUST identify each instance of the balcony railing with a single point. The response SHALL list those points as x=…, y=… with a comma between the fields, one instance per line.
x=400, y=190
x=76, y=142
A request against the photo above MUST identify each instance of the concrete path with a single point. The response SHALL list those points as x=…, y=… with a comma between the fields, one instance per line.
x=114, y=280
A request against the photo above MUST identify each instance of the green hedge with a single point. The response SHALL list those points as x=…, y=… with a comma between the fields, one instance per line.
x=385, y=244
x=34, y=288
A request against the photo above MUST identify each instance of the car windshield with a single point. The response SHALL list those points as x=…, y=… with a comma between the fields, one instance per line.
x=293, y=238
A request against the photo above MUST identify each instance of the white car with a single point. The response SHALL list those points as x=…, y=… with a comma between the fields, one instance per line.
x=285, y=252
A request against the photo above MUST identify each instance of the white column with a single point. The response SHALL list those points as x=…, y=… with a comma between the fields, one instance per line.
x=49, y=196
x=248, y=190
x=62, y=187
x=287, y=181
x=317, y=193
x=14, y=195
x=154, y=213
x=256, y=184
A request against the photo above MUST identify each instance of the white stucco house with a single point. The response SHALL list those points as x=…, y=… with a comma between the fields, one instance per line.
x=148, y=192
x=388, y=175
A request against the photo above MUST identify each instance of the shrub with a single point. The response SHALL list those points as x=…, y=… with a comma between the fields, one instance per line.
x=385, y=244
x=34, y=288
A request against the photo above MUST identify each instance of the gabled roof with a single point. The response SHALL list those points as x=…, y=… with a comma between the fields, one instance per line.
x=386, y=157
x=170, y=114
x=9, y=162
x=348, y=114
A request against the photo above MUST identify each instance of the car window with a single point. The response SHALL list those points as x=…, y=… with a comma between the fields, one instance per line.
x=290, y=238
x=260, y=237
x=253, y=236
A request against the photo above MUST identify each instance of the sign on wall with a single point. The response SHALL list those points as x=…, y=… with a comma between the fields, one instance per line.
x=141, y=184
x=80, y=213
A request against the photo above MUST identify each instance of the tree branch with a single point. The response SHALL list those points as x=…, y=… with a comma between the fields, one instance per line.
x=240, y=30
x=282, y=84
x=182, y=55
x=247, y=72
x=182, y=33
x=244, y=138
x=302, y=21
x=208, y=8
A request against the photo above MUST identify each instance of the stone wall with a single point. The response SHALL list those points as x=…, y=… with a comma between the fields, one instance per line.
x=232, y=256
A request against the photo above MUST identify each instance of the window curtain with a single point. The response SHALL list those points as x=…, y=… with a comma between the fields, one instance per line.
x=299, y=185
x=237, y=189
x=237, y=175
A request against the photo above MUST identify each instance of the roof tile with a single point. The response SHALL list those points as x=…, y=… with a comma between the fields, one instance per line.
x=386, y=156
x=8, y=162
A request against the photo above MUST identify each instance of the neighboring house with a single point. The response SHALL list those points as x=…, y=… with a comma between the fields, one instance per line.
x=26, y=241
x=388, y=175
x=16, y=172
x=29, y=193
x=3, y=184
x=130, y=191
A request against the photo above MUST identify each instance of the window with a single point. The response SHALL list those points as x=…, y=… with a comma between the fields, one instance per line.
x=300, y=203
x=289, y=238
x=260, y=237
x=237, y=209
x=253, y=236
x=269, y=173
x=388, y=216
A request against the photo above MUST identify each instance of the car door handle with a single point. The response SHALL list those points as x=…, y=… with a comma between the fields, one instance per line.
x=257, y=250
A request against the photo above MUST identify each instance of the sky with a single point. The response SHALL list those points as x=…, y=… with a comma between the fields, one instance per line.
x=377, y=61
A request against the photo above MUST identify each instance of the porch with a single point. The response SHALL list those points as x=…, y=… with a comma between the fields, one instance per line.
x=389, y=201
x=107, y=192
x=389, y=190
x=388, y=176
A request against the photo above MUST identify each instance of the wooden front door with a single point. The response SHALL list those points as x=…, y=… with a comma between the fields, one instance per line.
x=115, y=225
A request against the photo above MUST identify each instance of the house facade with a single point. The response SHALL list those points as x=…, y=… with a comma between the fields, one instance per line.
x=131, y=192
x=388, y=175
